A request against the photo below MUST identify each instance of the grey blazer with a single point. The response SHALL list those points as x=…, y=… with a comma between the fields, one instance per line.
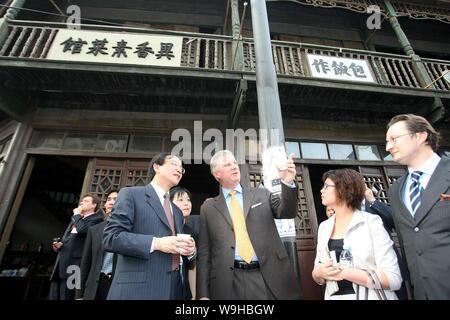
x=426, y=237
x=216, y=244
x=137, y=217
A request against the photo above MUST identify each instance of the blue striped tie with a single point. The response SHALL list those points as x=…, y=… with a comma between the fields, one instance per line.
x=415, y=191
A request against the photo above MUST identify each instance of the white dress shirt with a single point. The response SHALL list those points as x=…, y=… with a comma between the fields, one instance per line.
x=427, y=168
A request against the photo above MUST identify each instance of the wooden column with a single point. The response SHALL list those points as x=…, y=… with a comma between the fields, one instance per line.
x=237, y=50
x=436, y=112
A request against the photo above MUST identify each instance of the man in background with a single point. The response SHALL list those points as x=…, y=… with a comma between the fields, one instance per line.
x=97, y=267
x=71, y=246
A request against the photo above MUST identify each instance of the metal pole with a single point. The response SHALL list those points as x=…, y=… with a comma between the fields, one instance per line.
x=269, y=107
x=266, y=79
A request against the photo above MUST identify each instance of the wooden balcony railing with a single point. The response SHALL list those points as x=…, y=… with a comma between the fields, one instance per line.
x=32, y=40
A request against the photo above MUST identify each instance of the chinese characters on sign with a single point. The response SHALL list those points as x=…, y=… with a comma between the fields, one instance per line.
x=122, y=48
x=339, y=68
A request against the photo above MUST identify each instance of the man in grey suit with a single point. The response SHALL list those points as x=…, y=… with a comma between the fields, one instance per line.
x=142, y=230
x=420, y=212
x=240, y=254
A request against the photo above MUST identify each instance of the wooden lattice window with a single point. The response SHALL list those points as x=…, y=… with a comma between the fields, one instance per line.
x=393, y=174
x=374, y=179
x=303, y=220
x=137, y=173
x=104, y=180
x=110, y=175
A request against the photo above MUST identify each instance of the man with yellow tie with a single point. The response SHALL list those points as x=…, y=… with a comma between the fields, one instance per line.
x=240, y=254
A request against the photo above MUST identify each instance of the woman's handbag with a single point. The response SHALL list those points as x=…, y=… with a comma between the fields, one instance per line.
x=375, y=282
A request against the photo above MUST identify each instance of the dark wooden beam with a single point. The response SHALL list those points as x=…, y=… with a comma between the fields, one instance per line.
x=187, y=18
x=12, y=104
x=98, y=68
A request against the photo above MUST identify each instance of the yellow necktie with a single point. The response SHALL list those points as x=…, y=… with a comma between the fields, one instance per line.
x=244, y=245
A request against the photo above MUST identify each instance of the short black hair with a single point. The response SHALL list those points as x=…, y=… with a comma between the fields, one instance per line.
x=158, y=159
x=112, y=191
x=178, y=191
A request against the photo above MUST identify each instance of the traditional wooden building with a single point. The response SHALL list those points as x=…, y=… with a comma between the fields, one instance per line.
x=90, y=90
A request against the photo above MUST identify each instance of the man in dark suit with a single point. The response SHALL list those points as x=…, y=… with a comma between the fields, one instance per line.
x=70, y=248
x=421, y=217
x=97, y=264
x=375, y=206
x=142, y=230
x=240, y=253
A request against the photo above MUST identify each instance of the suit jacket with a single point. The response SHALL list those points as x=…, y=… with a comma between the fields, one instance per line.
x=426, y=236
x=73, y=244
x=92, y=262
x=384, y=211
x=137, y=218
x=216, y=243
x=192, y=226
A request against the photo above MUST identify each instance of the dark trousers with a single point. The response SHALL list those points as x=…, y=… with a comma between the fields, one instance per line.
x=104, y=283
x=59, y=290
x=250, y=285
x=176, y=286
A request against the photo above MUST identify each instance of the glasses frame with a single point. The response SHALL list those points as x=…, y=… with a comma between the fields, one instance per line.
x=393, y=140
x=328, y=186
x=175, y=164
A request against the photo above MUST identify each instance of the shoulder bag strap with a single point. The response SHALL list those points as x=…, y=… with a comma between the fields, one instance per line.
x=372, y=274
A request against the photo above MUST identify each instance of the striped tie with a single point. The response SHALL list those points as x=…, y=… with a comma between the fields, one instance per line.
x=415, y=191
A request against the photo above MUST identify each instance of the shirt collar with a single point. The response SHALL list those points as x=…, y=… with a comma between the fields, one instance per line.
x=159, y=191
x=428, y=166
x=226, y=192
x=88, y=214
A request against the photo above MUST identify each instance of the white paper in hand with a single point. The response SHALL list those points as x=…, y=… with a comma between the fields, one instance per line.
x=274, y=159
x=324, y=256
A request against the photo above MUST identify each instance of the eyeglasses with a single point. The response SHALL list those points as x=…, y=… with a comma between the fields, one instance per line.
x=175, y=164
x=393, y=140
x=327, y=186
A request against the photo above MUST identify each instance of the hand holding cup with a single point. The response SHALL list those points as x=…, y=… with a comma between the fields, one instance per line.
x=186, y=244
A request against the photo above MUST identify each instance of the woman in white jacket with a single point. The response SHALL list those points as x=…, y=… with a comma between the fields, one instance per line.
x=370, y=244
